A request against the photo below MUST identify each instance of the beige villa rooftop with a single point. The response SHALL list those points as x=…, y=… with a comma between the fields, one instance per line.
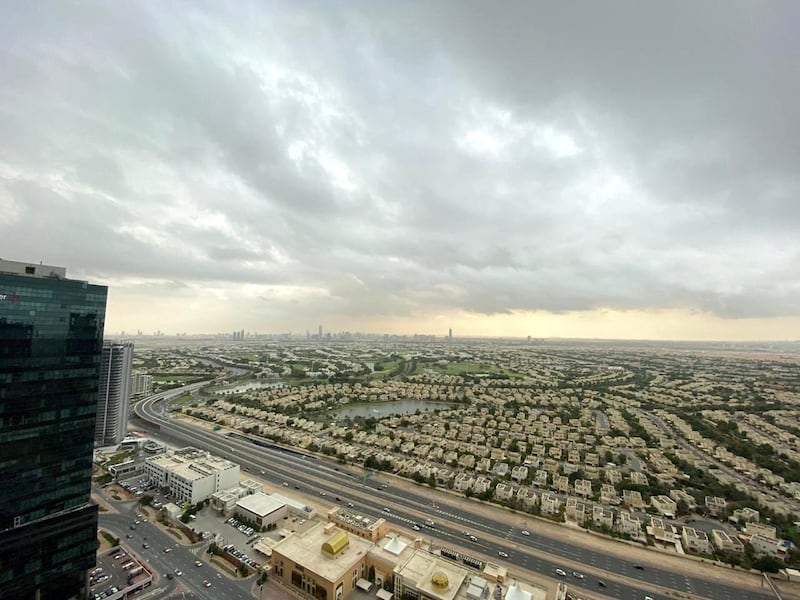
x=305, y=547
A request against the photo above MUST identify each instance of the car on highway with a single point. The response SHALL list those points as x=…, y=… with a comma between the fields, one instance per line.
x=577, y=575
x=525, y=532
x=350, y=505
x=386, y=509
x=502, y=554
x=648, y=598
x=601, y=583
x=167, y=549
x=323, y=493
x=178, y=572
x=197, y=563
x=415, y=527
x=145, y=545
x=472, y=538
x=638, y=567
x=206, y=583
x=429, y=523
x=561, y=572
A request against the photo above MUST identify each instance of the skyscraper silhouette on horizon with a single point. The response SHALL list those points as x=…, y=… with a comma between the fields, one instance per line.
x=51, y=333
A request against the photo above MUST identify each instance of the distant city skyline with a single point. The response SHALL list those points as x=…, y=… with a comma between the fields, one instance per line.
x=544, y=170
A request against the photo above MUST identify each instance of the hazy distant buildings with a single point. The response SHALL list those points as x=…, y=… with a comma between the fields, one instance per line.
x=114, y=393
x=238, y=336
x=51, y=333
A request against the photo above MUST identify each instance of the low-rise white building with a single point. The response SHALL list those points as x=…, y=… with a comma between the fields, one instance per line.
x=764, y=546
x=725, y=543
x=629, y=524
x=261, y=509
x=695, y=541
x=191, y=475
x=664, y=505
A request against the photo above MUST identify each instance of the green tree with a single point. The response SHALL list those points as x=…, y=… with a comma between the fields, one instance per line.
x=768, y=564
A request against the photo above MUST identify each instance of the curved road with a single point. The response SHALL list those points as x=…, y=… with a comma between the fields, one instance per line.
x=538, y=553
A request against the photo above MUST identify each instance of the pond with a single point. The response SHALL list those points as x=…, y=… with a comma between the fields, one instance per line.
x=379, y=410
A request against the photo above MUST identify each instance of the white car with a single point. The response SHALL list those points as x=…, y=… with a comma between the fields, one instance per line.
x=502, y=554
x=525, y=532
x=178, y=572
x=577, y=575
x=561, y=572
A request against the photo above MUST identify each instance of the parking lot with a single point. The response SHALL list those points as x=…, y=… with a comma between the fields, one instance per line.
x=115, y=571
x=219, y=528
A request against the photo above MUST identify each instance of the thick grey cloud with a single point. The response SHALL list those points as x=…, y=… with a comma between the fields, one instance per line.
x=410, y=158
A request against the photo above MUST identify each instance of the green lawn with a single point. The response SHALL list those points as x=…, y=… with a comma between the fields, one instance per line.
x=463, y=368
x=184, y=399
x=387, y=365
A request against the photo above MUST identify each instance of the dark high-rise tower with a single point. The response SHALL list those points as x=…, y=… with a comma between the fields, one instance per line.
x=51, y=333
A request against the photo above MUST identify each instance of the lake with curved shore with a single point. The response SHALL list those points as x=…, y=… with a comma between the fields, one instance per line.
x=379, y=410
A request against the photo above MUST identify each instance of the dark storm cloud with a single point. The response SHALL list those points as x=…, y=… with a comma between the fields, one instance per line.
x=408, y=158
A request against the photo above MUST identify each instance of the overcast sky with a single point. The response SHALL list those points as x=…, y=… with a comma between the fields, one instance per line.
x=548, y=169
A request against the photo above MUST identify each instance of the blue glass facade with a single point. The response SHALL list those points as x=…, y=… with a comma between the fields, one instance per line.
x=51, y=333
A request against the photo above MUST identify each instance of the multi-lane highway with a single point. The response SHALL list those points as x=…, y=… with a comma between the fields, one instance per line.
x=540, y=552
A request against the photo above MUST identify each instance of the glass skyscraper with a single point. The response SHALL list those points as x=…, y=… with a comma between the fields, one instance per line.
x=51, y=335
